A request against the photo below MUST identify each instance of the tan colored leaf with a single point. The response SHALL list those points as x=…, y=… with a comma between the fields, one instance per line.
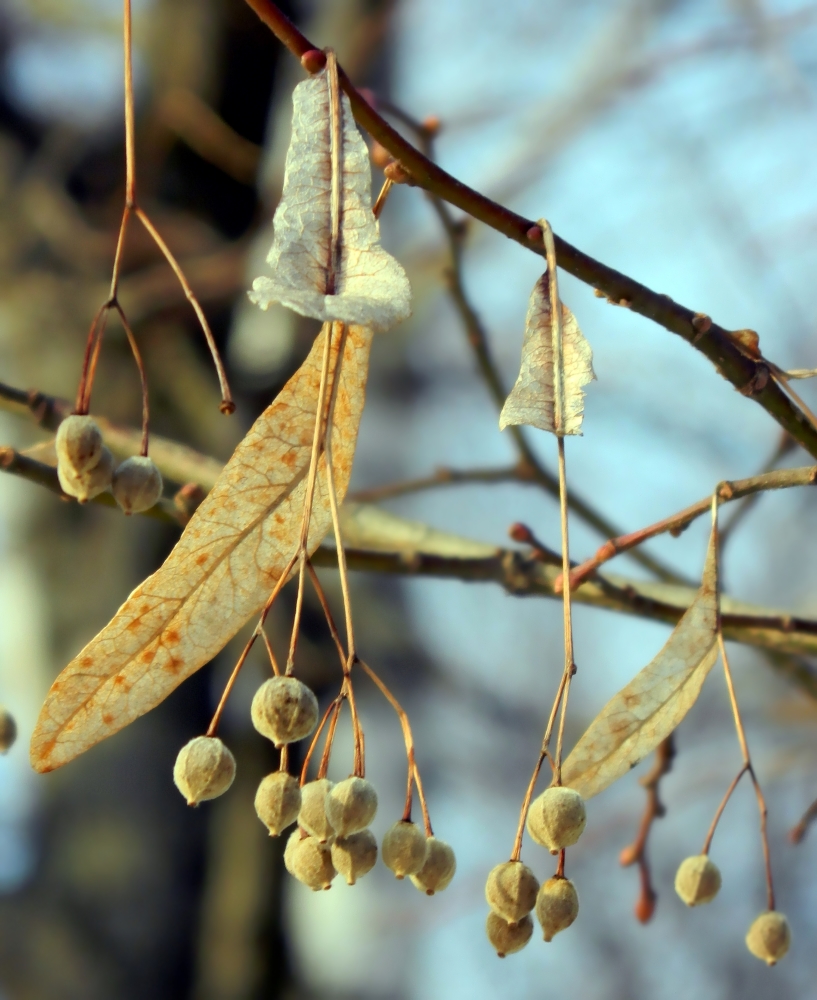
x=222, y=569
x=532, y=399
x=370, y=286
x=646, y=711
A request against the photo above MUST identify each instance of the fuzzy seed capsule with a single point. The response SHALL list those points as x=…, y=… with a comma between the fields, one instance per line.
x=557, y=906
x=697, y=880
x=351, y=805
x=404, y=848
x=312, y=816
x=511, y=890
x=769, y=937
x=309, y=861
x=284, y=710
x=439, y=867
x=355, y=855
x=137, y=484
x=278, y=801
x=86, y=485
x=78, y=443
x=556, y=818
x=508, y=938
x=204, y=769
x=8, y=730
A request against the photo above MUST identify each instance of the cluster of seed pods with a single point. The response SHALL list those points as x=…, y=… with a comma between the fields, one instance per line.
x=556, y=819
x=332, y=836
x=698, y=881
x=86, y=468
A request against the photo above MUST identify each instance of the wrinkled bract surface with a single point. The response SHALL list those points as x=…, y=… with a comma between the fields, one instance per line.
x=371, y=287
x=532, y=399
x=646, y=711
x=222, y=569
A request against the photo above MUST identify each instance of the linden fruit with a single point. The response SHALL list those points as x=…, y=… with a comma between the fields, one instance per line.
x=309, y=861
x=508, y=938
x=511, y=891
x=78, y=443
x=355, y=855
x=137, y=484
x=769, y=937
x=204, y=769
x=556, y=818
x=439, y=867
x=351, y=805
x=86, y=485
x=404, y=848
x=284, y=710
x=312, y=816
x=697, y=880
x=557, y=906
x=278, y=801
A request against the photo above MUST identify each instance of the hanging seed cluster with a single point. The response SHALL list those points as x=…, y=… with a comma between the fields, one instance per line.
x=86, y=468
x=556, y=820
x=332, y=834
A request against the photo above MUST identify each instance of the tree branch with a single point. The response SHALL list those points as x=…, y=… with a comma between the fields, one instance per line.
x=749, y=374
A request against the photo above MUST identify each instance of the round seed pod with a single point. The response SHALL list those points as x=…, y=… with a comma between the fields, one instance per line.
x=351, y=805
x=84, y=486
x=312, y=816
x=204, y=769
x=511, y=890
x=439, y=867
x=278, y=801
x=508, y=938
x=557, y=906
x=309, y=861
x=404, y=848
x=137, y=484
x=78, y=443
x=769, y=937
x=284, y=710
x=697, y=880
x=556, y=818
x=355, y=855
x=8, y=730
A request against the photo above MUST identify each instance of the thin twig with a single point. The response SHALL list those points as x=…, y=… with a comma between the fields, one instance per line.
x=748, y=374
x=636, y=853
x=333, y=706
x=143, y=381
x=674, y=524
x=798, y=832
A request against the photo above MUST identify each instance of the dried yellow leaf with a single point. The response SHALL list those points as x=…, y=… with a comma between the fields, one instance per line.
x=223, y=567
x=357, y=281
x=646, y=711
x=533, y=398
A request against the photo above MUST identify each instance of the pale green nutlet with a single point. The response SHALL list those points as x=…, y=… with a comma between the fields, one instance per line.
x=284, y=710
x=697, y=880
x=511, y=890
x=309, y=861
x=137, y=484
x=355, y=855
x=404, y=848
x=557, y=906
x=351, y=805
x=439, y=868
x=556, y=818
x=278, y=801
x=508, y=938
x=204, y=769
x=769, y=937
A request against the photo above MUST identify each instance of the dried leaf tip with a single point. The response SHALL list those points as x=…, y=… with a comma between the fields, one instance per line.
x=326, y=258
x=533, y=399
